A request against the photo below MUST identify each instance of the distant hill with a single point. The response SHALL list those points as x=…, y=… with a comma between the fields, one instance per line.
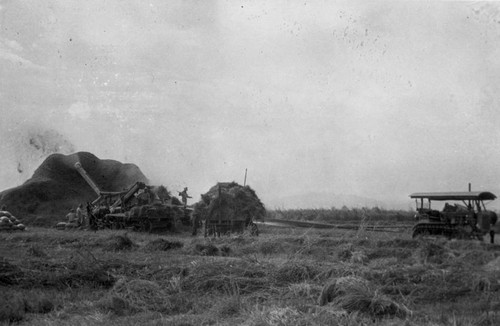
x=321, y=200
x=56, y=186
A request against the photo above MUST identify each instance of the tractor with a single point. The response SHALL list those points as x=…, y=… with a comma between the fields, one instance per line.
x=463, y=215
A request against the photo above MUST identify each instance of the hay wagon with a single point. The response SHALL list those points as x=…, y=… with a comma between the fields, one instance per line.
x=228, y=208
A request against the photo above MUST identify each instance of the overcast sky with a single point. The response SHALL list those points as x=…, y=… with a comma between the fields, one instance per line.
x=370, y=98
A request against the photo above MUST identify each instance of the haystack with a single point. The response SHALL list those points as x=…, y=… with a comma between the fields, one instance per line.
x=229, y=200
x=357, y=294
x=56, y=186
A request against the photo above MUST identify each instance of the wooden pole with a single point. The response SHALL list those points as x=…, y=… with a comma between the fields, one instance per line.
x=470, y=188
x=245, y=181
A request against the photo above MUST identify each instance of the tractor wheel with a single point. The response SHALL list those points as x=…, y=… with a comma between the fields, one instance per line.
x=420, y=234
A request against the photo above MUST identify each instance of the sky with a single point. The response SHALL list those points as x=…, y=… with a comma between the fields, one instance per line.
x=378, y=99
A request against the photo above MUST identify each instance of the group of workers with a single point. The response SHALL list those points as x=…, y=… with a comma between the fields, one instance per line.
x=75, y=219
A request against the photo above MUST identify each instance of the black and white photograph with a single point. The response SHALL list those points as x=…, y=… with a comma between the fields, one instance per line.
x=249, y=162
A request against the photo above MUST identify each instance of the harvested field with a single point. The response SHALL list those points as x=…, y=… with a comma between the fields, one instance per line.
x=285, y=276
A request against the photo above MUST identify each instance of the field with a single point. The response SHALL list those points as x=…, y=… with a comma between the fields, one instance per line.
x=286, y=276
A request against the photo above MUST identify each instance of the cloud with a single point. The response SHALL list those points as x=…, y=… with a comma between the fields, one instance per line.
x=9, y=50
x=80, y=110
x=13, y=45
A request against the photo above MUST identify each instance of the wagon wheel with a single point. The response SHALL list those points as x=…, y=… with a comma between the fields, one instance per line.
x=147, y=226
x=254, y=229
x=107, y=225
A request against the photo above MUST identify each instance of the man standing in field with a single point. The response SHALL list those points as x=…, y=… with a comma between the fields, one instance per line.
x=91, y=218
x=79, y=216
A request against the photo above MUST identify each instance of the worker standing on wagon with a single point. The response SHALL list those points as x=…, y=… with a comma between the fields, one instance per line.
x=184, y=195
x=145, y=197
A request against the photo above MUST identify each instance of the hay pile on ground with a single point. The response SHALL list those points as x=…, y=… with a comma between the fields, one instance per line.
x=14, y=305
x=162, y=245
x=68, y=274
x=118, y=242
x=229, y=200
x=433, y=252
x=140, y=295
x=9, y=274
x=11, y=309
x=493, y=266
x=75, y=272
x=206, y=249
x=294, y=271
x=227, y=276
x=427, y=283
x=356, y=294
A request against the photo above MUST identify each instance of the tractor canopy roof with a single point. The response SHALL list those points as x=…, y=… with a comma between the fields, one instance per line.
x=469, y=195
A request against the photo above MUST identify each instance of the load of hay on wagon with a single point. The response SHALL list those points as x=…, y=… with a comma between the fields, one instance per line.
x=227, y=208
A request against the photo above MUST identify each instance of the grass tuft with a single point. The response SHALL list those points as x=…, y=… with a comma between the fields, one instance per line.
x=36, y=251
x=433, y=252
x=227, y=307
x=358, y=257
x=206, y=249
x=227, y=276
x=118, y=242
x=140, y=295
x=14, y=305
x=115, y=304
x=294, y=271
x=9, y=274
x=12, y=309
x=162, y=245
x=356, y=294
